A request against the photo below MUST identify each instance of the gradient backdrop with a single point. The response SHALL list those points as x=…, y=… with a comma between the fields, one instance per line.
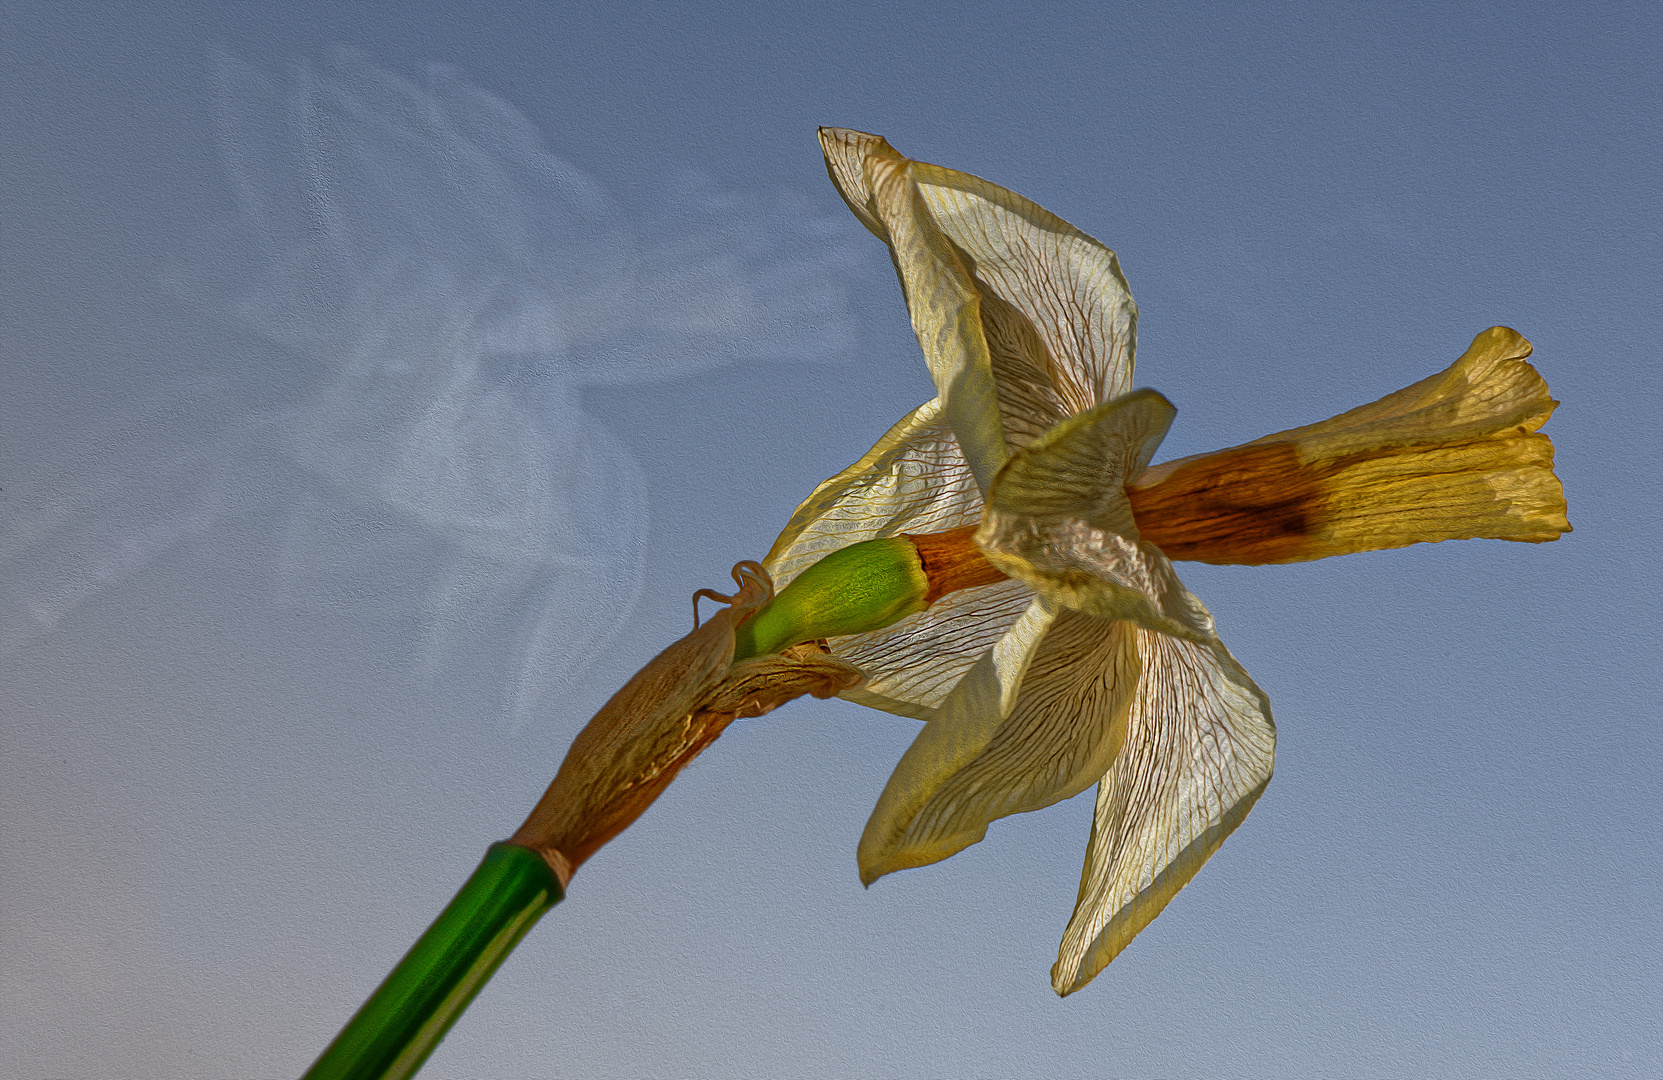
x=377, y=384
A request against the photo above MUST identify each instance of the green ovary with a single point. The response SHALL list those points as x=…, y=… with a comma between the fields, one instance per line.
x=862, y=587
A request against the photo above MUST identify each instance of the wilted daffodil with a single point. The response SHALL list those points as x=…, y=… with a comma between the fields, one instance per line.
x=1076, y=656
x=999, y=566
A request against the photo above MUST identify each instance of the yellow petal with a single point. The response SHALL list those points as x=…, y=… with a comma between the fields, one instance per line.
x=1057, y=518
x=915, y=480
x=846, y=152
x=1197, y=753
x=1455, y=456
x=972, y=765
x=1057, y=321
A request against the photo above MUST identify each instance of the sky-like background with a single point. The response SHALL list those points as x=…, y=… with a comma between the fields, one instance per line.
x=377, y=382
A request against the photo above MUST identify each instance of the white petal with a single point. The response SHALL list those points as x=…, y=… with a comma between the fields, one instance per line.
x=946, y=315
x=1003, y=294
x=912, y=665
x=1199, y=748
x=983, y=758
x=1067, y=285
x=914, y=480
x=961, y=729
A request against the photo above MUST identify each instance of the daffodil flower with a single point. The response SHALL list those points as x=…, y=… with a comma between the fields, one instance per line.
x=999, y=565
x=1089, y=662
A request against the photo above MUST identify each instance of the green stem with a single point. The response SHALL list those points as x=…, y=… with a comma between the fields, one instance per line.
x=862, y=587
x=410, y=1012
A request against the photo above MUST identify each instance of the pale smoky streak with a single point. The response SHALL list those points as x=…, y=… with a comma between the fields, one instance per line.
x=441, y=288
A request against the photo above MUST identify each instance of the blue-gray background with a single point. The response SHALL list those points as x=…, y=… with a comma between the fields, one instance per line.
x=376, y=385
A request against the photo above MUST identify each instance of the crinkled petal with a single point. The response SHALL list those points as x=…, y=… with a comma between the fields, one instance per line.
x=1455, y=456
x=1057, y=325
x=912, y=665
x=914, y=480
x=961, y=729
x=846, y=152
x=946, y=314
x=1057, y=518
x=1198, y=751
x=1064, y=285
x=985, y=757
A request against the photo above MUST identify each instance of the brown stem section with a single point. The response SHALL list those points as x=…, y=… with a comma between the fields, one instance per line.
x=662, y=719
x=952, y=561
x=653, y=726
